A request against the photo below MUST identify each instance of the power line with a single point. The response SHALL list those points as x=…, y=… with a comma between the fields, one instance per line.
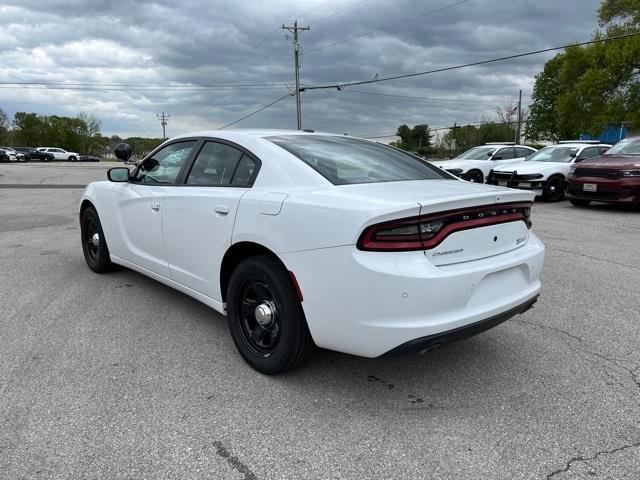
x=35, y=85
x=434, y=129
x=322, y=19
x=410, y=97
x=388, y=26
x=267, y=39
x=257, y=111
x=340, y=86
x=317, y=7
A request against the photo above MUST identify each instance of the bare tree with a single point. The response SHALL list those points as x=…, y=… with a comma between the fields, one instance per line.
x=508, y=114
x=90, y=129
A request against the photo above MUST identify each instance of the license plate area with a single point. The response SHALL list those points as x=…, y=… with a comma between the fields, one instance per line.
x=502, y=183
x=589, y=187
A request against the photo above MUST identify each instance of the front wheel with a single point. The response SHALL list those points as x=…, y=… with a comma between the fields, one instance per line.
x=266, y=319
x=73, y=158
x=554, y=191
x=474, y=176
x=579, y=202
x=94, y=245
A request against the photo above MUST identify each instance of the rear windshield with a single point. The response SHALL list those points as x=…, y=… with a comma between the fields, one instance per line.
x=346, y=160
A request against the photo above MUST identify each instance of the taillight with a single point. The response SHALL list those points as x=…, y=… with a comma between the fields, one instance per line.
x=428, y=231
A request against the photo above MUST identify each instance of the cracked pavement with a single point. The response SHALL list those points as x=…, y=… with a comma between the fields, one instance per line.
x=117, y=376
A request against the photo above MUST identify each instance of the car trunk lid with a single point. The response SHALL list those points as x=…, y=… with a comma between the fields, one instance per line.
x=478, y=221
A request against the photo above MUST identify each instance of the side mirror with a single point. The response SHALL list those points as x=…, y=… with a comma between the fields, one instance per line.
x=118, y=174
x=123, y=151
x=574, y=153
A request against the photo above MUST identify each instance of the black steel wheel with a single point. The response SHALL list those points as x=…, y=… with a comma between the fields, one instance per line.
x=474, y=176
x=259, y=316
x=266, y=319
x=94, y=245
x=554, y=190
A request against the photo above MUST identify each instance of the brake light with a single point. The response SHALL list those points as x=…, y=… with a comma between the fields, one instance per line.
x=428, y=231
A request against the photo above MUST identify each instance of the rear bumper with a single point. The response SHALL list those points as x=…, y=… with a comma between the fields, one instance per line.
x=623, y=190
x=370, y=303
x=424, y=344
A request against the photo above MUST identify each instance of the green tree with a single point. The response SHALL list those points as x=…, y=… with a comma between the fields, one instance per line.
x=543, y=114
x=28, y=129
x=5, y=134
x=612, y=11
x=585, y=89
x=416, y=139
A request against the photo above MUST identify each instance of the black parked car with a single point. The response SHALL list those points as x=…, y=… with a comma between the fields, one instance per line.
x=33, y=154
x=89, y=158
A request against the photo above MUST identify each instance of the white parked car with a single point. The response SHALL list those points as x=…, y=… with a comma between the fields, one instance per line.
x=305, y=238
x=14, y=156
x=60, y=154
x=545, y=172
x=475, y=164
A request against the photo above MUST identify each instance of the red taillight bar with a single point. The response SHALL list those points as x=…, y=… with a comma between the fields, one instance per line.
x=454, y=221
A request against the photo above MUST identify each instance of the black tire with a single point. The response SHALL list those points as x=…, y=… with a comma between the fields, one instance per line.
x=284, y=342
x=96, y=256
x=73, y=158
x=554, y=191
x=474, y=176
x=577, y=202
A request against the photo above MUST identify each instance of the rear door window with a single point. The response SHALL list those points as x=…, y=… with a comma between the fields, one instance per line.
x=523, y=152
x=504, y=154
x=589, y=152
x=244, y=174
x=215, y=165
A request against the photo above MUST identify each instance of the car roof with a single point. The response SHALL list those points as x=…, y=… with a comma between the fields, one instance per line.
x=501, y=145
x=579, y=145
x=253, y=132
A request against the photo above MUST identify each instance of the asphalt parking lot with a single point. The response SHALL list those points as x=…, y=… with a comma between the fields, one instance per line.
x=118, y=376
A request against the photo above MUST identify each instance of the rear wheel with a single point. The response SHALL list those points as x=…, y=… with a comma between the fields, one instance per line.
x=474, y=176
x=266, y=319
x=94, y=245
x=554, y=190
x=579, y=203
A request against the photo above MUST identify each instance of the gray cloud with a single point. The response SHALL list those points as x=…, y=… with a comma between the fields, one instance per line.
x=209, y=42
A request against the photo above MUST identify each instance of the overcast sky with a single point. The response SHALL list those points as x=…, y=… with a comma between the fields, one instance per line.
x=169, y=48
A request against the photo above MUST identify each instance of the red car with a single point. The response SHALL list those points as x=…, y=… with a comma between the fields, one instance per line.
x=613, y=177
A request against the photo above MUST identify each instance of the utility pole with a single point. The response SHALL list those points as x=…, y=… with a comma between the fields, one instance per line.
x=164, y=119
x=519, y=118
x=296, y=63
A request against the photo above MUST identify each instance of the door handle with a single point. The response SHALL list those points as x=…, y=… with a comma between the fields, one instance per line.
x=155, y=206
x=221, y=209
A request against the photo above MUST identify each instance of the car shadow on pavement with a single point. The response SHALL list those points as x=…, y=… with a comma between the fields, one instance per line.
x=467, y=370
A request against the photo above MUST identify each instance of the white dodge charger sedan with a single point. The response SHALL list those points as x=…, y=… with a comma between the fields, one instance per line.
x=305, y=239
